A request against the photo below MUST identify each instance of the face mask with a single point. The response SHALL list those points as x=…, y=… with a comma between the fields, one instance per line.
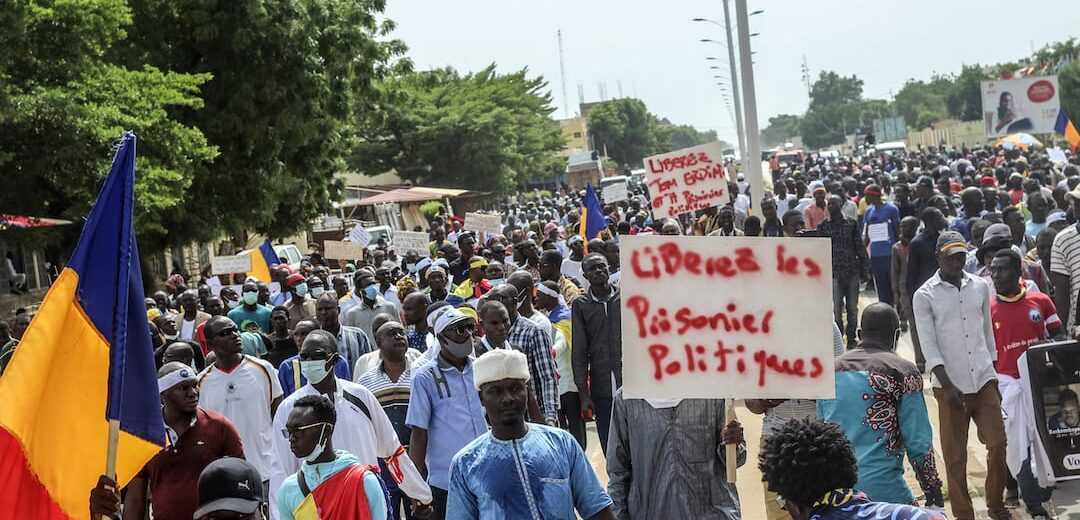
x=371, y=291
x=411, y=267
x=458, y=349
x=232, y=304
x=171, y=337
x=251, y=297
x=314, y=371
x=319, y=448
x=495, y=282
x=301, y=290
x=316, y=292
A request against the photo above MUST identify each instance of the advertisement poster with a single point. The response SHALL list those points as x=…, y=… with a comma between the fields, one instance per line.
x=1028, y=105
x=1054, y=372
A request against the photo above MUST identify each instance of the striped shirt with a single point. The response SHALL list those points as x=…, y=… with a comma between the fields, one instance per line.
x=393, y=397
x=1065, y=259
x=527, y=337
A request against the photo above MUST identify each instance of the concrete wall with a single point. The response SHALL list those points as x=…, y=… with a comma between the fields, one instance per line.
x=951, y=133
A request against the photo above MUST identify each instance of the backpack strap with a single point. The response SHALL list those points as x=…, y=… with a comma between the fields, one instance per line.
x=296, y=373
x=356, y=401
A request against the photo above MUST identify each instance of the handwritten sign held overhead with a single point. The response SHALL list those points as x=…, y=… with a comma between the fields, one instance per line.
x=405, y=241
x=704, y=317
x=342, y=250
x=230, y=264
x=615, y=192
x=484, y=223
x=687, y=180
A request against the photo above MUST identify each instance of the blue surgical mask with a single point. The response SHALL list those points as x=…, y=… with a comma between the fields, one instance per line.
x=371, y=291
x=495, y=282
x=411, y=267
x=314, y=371
x=317, y=292
x=301, y=290
x=250, y=298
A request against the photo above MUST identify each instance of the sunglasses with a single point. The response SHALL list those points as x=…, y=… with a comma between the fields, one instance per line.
x=465, y=327
x=289, y=432
x=315, y=355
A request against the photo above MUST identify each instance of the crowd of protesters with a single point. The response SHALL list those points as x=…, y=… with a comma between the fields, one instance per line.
x=420, y=384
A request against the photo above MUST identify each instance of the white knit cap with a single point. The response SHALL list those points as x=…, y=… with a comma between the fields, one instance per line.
x=500, y=364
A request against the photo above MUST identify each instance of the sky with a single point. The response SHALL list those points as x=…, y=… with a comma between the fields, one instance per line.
x=651, y=47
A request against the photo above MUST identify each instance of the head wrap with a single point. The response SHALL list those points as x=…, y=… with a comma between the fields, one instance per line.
x=1055, y=216
x=872, y=189
x=152, y=313
x=478, y=262
x=500, y=364
x=174, y=378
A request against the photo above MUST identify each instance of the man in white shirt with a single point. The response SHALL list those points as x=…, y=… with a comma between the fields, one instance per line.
x=363, y=429
x=571, y=267
x=952, y=311
x=244, y=389
x=190, y=317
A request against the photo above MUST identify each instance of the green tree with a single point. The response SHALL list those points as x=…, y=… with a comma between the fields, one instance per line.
x=922, y=103
x=481, y=131
x=289, y=78
x=676, y=137
x=834, y=89
x=780, y=129
x=63, y=106
x=836, y=110
x=626, y=128
x=965, y=99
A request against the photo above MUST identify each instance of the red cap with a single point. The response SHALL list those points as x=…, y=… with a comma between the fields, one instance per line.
x=988, y=181
x=294, y=279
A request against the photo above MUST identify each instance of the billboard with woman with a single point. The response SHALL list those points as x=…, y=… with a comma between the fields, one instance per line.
x=1028, y=105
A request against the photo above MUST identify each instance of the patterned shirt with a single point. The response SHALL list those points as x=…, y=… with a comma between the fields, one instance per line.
x=527, y=337
x=881, y=409
x=847, y=248
x=845, y=504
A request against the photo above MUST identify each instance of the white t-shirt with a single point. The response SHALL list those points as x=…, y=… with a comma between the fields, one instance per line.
x=187, y=330
x=244, y=396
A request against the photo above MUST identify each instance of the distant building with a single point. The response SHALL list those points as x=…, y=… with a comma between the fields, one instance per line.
x=575, y=132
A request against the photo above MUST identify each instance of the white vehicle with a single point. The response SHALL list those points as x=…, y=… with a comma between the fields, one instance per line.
x=287, y=253
x=607, y=181
x=891, y=147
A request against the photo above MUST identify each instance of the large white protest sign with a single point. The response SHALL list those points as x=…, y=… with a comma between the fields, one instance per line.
x=230, y=264
x=708, y=317
x=359, y=235
x=615, y=192
x=1027, y=105
x=687, y=180
x=340, y=250
x=405, y=241
x=490, y=224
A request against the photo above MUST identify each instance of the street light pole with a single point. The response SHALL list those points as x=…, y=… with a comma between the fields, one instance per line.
x=743, y=151
x=753, y=137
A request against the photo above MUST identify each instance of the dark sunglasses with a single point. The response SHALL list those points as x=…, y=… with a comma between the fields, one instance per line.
x=316, y=355
x=228, y=331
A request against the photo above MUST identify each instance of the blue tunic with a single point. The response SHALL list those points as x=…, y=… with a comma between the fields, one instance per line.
x=542, y=476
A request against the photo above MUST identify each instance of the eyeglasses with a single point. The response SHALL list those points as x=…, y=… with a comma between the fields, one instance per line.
x=465, y=327
x=290, y=432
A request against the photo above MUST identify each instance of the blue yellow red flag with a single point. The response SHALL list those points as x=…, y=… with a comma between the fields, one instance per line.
x=1065, y=126
x=262, y=259
x=85, y=359
x=593, y=220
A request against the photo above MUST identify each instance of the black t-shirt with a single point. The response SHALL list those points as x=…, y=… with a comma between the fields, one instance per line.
x=284, y=348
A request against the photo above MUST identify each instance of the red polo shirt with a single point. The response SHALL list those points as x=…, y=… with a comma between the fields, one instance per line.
x=173, y=474
x=1019, y=325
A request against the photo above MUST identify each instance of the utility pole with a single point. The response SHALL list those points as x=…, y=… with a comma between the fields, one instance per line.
x=562, y=73
x=753, y=136
x=806, y=76
x=743, y=151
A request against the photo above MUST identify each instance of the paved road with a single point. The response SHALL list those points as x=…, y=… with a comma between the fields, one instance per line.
x=1066, y=499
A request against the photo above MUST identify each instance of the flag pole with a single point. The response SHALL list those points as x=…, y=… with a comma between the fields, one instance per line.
x=730, y=450
x=110, y=452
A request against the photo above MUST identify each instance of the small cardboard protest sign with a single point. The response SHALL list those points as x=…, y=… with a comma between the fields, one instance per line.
x=708, y=317
x=484, y=223
x=615, y=192
x=342, y=250
x=687, y=180
x=405, y=241
x=230, y=264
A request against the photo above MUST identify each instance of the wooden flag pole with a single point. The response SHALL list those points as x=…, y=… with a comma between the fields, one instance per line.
x=731, y=450
x=110, y=453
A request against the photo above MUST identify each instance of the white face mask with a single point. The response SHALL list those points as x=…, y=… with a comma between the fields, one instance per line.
x=320, y=446
x=316, y=292
x=232, y=304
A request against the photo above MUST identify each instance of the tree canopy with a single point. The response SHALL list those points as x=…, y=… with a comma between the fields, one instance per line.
x=483, y=130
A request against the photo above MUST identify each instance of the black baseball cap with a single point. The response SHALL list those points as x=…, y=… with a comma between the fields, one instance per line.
x=229, y=484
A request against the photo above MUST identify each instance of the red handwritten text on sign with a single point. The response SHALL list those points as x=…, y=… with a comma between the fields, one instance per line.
x=726, y=317
x=687, y=180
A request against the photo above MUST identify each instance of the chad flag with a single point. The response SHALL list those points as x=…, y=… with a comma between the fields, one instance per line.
x=85, y=361
x=262, y=258
x=340, y=497
x=1064, y=126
